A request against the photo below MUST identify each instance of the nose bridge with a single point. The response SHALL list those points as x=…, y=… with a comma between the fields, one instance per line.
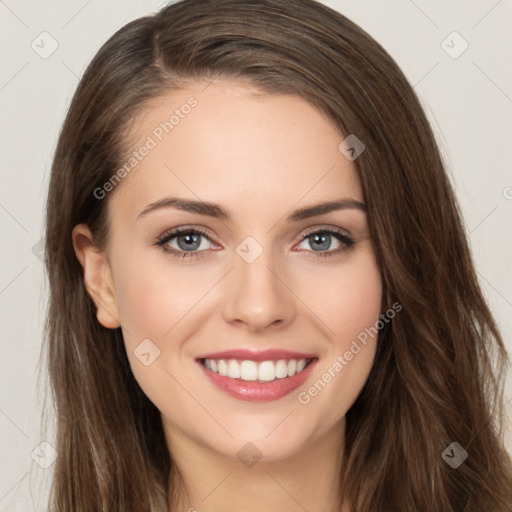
x=256, y=293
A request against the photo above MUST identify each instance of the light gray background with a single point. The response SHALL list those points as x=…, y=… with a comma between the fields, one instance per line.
x=468, y=99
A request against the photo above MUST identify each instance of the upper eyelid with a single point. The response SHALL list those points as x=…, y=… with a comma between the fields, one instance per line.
x=310, y=231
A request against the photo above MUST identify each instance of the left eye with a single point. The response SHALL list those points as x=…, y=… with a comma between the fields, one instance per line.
x=187, y=240
x=322, y=239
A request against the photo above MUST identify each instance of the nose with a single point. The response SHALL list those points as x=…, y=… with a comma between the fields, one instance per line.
x=258, y=296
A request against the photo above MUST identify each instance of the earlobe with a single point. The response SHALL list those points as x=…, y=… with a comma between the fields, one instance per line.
x=97, y=275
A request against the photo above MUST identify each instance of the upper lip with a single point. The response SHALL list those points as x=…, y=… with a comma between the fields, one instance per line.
x=271, y=354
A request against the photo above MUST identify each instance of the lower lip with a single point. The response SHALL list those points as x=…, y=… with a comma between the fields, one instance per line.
x=251, y=391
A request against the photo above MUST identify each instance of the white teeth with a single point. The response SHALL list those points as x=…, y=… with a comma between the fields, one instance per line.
x=281, y=369
x=292, y=367
x=265, y=371
x=249, y=370
x=233, y=369
x=223, y=368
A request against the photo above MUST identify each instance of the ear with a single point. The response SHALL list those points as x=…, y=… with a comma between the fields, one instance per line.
x=97, y=276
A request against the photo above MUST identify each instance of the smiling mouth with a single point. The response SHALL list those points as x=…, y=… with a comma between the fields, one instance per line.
x=252, y=371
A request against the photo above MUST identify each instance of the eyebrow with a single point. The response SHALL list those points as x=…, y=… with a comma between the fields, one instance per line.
x=218, y=212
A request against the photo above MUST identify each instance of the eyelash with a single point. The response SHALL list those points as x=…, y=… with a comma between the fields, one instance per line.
x=162, y=241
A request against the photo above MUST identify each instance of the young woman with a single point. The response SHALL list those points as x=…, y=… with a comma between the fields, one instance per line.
x=262, y=296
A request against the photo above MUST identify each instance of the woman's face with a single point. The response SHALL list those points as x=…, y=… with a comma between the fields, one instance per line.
x=250, y=282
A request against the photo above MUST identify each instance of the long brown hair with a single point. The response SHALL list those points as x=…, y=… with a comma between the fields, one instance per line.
x=439, y=368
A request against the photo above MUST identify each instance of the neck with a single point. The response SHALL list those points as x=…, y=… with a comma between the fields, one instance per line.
x=206, y=481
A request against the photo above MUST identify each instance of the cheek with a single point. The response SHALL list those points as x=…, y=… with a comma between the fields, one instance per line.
x=153, y=294
x=346, y=301
x=358, y=305
x=143, y=307
x=350, y=306
x=152, y=298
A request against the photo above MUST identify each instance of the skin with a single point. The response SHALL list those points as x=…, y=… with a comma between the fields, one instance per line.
x=260, y=157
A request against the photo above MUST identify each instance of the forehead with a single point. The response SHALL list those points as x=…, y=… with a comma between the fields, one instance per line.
x=224, y=141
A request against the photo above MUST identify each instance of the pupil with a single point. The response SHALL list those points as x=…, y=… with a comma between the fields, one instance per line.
x=325, y=244
x=189, y=237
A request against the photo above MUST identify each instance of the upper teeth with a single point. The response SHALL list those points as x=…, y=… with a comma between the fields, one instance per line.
x=250, y=370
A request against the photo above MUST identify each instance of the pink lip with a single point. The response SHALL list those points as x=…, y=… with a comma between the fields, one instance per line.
x=252, y=391
x=257, y=355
